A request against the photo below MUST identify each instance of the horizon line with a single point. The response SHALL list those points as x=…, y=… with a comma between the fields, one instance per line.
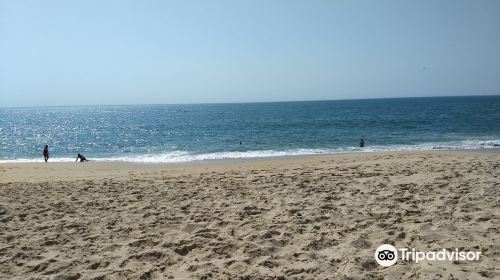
x=245, y=102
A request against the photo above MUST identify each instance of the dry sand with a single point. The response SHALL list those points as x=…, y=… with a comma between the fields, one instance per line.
x=293, y=218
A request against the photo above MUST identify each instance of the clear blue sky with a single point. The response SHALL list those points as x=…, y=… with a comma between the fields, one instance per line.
x=128, y=52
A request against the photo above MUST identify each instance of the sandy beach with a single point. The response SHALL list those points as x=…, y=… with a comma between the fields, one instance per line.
x=318, y=217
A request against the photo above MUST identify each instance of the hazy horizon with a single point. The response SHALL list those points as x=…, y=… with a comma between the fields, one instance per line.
x=59, y=53
x=249, y=102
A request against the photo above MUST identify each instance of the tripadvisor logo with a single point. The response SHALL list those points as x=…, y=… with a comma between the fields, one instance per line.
x=387, y=255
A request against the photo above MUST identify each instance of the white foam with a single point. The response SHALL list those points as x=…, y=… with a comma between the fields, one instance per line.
x=183, y=156
x=20, y=160
x=180, y=156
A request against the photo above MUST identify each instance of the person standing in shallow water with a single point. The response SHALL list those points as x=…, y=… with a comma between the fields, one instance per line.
x=361, y=143
x=46, y=153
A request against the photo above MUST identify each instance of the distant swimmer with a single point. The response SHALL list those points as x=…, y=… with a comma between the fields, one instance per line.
x=46, y=153
x=81, y=158
x=361, y=143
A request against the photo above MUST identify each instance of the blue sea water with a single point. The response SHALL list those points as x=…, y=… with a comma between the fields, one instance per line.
x=174, y=133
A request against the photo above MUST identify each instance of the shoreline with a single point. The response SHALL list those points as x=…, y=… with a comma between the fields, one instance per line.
x=35, y=171
x=243, y=159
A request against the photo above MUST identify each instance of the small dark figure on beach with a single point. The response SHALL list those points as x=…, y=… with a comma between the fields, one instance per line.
x=81, y=158
x=46, y=153
x=361, y=143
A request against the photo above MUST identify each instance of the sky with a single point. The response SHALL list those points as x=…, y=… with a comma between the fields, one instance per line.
x=164, y=52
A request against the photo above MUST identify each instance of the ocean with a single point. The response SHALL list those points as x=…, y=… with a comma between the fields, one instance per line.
x=179, y=133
